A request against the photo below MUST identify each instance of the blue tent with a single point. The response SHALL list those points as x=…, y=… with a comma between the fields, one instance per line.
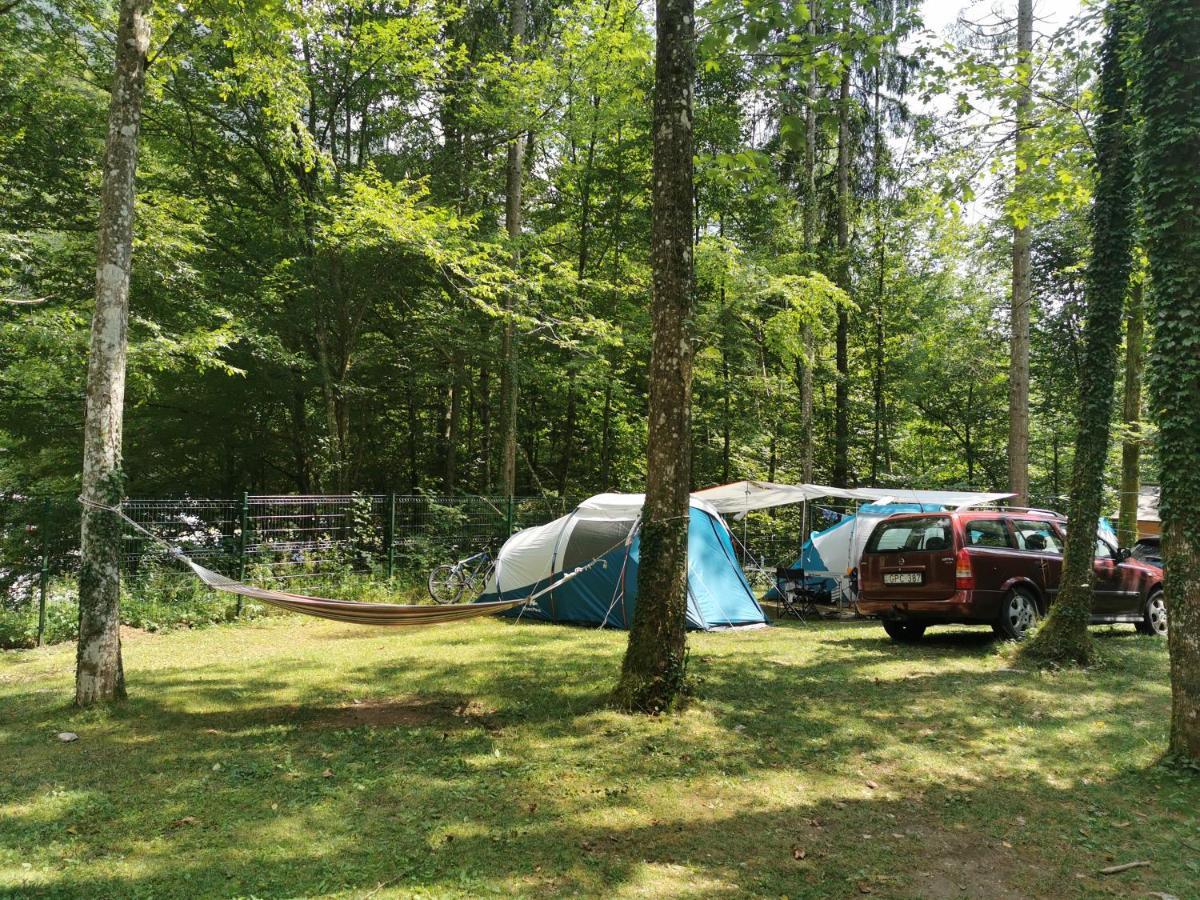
x=828, y=556
x=601, y=537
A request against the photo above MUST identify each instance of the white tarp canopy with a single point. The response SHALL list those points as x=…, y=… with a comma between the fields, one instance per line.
x=741, y=497
x=949, y=499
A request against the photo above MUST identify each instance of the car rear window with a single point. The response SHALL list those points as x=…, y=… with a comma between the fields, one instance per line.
x=987, y=533
x=907, y=535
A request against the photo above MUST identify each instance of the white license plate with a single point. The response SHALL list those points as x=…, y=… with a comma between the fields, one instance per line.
x=903, y=578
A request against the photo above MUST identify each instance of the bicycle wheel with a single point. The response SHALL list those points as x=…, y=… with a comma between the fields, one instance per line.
x=446, y=584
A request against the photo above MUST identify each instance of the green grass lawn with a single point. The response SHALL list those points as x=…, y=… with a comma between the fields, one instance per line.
x=296, y=757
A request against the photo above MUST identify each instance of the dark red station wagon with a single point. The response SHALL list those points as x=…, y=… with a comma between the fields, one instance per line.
x=988, y=567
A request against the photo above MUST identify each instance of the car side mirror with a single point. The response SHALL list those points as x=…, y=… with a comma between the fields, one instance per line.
x=1123, y=554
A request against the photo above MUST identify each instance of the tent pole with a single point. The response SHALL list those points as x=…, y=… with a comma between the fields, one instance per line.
x=803, y=528
x=745, y=523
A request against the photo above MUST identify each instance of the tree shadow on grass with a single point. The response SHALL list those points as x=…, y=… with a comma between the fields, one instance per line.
x=977, y=841
x=556, y=793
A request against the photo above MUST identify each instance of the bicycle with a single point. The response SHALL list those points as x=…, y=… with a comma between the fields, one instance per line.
x=449, y=583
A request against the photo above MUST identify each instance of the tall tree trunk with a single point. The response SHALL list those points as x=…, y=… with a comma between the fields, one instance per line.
x=726, y=423
x=606, y=438
x=725, y=415
x=99, y=673
x=880, y=453
x=841, y=399
x=808, y=350
x=568, y=438
x=300, y=436
x=1170, y=103
x=414, y=434
x=879, y=437
x=453, y=423
x=652, y=675
x=1018, y=368
x=514, y=174
x=485, y=427
x=1131, y=447
x=1065, y=637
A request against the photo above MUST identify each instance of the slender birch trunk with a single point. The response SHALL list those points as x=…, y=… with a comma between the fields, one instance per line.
x=99, y=675
x=653, y=675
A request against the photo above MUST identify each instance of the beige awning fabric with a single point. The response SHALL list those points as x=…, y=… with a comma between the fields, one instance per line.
x=385, y=614
x=741, y=497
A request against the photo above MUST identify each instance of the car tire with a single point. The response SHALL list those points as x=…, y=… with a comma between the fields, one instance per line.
x=1018, y=614
x=903, y=632
x=1155, y=616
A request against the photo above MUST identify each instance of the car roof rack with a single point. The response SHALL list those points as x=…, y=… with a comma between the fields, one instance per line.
x=1025, y=509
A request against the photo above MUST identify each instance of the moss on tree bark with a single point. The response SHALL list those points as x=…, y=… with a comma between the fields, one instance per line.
x=1064, y=638
x=1169, y=80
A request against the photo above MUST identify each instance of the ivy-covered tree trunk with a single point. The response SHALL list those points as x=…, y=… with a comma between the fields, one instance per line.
x=514, y=175
x=1169, y=76
x=1131, y=446
x=652, y=675
x=99, y=676
x=1065, y=637
x=1018, y=369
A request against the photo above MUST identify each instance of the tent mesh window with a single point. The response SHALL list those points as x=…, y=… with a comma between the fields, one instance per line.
x=590, y=539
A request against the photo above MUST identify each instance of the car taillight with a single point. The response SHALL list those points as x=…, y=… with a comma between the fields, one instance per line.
x=964, y=578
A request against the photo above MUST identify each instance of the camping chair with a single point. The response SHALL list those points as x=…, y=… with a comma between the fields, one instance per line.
x=795, y=597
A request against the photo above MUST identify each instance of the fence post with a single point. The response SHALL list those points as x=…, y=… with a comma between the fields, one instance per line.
x=45, y=574
x=508, y=516
x=391, y=535
x=242, y=545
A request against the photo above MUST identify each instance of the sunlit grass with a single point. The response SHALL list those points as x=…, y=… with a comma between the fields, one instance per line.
x=296, y=757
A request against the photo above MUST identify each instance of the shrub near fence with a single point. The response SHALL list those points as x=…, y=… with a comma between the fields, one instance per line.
x=369, y=546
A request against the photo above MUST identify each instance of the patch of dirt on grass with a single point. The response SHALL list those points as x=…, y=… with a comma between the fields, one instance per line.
x=442, y=712
x=969, y=865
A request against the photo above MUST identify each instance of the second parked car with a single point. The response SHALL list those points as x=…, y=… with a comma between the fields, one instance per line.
x=992, y=567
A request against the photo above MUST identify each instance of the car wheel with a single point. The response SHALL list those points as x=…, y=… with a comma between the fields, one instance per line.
x=903, y=632
x=1155, y=621
x=1018, y=614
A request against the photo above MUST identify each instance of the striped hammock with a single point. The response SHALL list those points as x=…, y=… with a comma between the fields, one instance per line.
x=393, y=614
x=354, y=612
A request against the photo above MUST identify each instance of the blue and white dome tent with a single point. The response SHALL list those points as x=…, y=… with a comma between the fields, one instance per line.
x=606, y=528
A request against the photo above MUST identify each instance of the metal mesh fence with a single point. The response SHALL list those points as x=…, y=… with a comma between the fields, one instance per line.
x=269, y=540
